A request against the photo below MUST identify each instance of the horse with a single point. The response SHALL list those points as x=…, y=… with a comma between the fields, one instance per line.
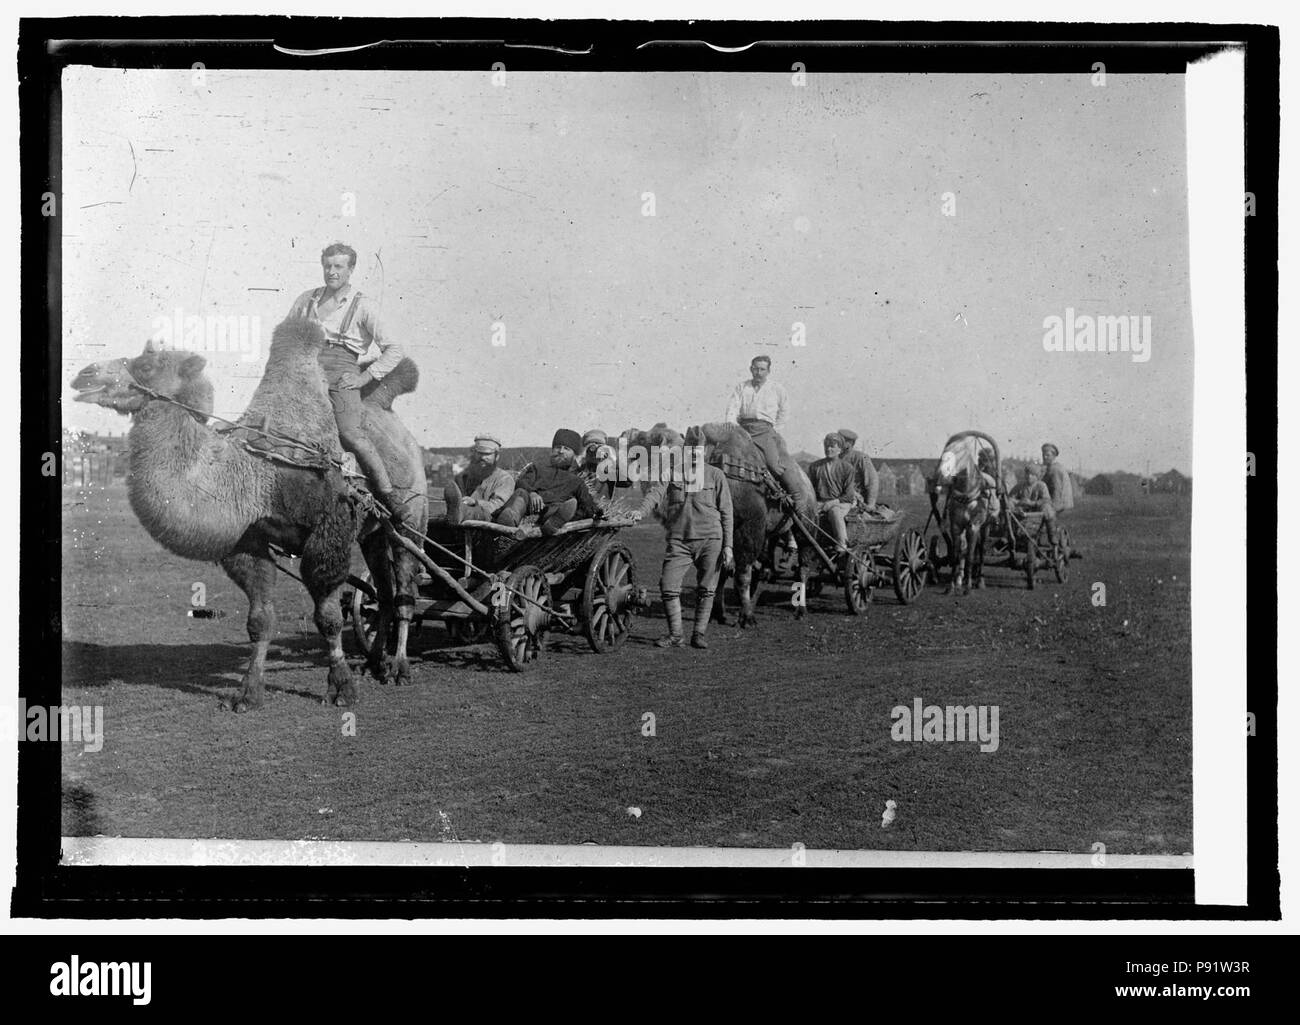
x=971, y=505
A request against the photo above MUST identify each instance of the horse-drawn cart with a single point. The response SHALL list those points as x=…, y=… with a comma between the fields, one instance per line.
x=581, y=579
x=1019, y=537
x=881, y=553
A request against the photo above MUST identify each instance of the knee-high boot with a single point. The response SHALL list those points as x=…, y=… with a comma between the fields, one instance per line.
x=673, y=611
x=703, y=609
x=515, y=509
x=372, y=465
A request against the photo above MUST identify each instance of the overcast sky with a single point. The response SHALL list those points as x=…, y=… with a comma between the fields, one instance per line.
x=522, y=205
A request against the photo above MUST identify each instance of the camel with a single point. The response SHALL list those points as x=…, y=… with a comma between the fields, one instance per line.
x=205, y=495
x=758, y=520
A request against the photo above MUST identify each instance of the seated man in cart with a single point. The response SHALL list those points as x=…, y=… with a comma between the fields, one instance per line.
x=480, y=491
x=556, y=491
x=599, y=465
x=1031, y=495
x=833, y=485
x=865, y=479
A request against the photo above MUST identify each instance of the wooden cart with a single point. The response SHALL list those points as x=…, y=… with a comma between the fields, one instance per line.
x=581, y=579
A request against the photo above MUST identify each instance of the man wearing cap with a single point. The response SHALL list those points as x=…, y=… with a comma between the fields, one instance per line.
x=699, y=528
x=480, y=491
x=556, y=491
x=865, y=478
x=596, y=452
x=1057, y=479
x=351, y=324
x=832, y=480
x=761, y=407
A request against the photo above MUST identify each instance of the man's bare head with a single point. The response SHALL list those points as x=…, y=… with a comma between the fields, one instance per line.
x=337, y=262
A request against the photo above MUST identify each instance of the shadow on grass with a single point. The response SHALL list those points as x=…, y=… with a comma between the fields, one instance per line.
x=202, y=669
x=80, y=816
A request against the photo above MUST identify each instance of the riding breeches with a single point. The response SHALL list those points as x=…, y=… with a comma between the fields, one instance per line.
x=703, y=553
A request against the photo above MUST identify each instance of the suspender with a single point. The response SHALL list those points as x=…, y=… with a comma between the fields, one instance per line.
x=348, y=316
x=351, y=312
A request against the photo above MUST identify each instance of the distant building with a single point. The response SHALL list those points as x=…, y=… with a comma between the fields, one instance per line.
x=89, y=458
x=888, y=481
x=910, y=480
x=1172, y=482
x=1119, y=483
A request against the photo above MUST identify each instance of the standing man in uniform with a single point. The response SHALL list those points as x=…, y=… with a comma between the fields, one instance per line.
x=699, y=534
x=1057, y=479
x=351, y=324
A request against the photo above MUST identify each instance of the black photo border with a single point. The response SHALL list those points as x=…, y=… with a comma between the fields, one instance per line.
x=46, y=889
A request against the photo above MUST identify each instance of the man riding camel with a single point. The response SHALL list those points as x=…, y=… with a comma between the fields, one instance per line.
x=351, y=324
x=762, y=407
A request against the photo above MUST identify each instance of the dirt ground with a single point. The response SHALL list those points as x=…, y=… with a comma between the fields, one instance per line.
x=776, y=735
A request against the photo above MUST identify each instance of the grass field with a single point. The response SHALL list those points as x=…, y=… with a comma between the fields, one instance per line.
x=774, y=736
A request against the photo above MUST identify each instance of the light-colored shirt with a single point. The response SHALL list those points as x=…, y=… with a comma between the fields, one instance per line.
x=491, y=493
x=693, y=515
x=364, y=331
x=769, y=403
x=1058, y=483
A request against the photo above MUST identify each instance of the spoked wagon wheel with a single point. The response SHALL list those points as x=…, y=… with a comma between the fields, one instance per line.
x=520, y=625
x=859, y=579
x=1062, y=556
x=606, y=609
x=468, y=631
x=364, y=610
x=911, y=566
x=1031, y=561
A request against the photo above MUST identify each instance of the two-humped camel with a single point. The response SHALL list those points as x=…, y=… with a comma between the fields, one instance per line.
x=203, y=495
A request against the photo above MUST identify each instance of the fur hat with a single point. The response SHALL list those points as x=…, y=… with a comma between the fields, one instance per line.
x=571, y=440
x=594, y=437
